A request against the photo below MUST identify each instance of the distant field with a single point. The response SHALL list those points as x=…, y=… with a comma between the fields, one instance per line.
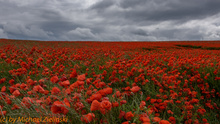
x=109, y=82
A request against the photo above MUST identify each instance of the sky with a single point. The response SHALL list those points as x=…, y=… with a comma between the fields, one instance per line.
x=110, y=20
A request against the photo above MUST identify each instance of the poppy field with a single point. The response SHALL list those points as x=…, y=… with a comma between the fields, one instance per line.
x=109, y=82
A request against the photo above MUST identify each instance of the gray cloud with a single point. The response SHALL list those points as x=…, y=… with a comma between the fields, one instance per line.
x=3, y=34
x=107, y=20
x=139, y=32
x=102, y=5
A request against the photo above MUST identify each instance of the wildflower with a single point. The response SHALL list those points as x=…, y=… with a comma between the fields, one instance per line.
x=106, y=105
x=164, y=122
x=3, y=89
x=145, y=119
x=96, y=96
x=27, y=102
x=156, y=119
x=16, y=93
x=135, y=89
x=153, y=101
x=123, y=102
x=81, y=77
x=95, y=105
x=126, y=122
x=3, y=113
x=65, y=83
x=88, y=118
x=115, y=104
x=73, y=74
x=58, y=107
x=122, y=114
x=172, y=120
x=54, y=79
x=143, y=103
x=55, y=90
x=204, y=120
x=118, y=94
x=129, y=115
x=38, y=88
x=80, y=83
x=108, y=90
x=23, y=86
x=169, y=112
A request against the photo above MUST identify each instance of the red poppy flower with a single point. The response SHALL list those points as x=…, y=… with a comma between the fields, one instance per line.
x=58, y=107
x=115, y=104
x=143, y=103
x=129, y=115
x=118, y=94
x=54, y=79
x=73, y=74
x=153, y=101
x=172, y=120
x=164, y=122
x=95, y=105
x=105, y=106
x=3, y=89
x=88, y=118
x=126, y=122
x=3, y=113
x=148, y=98
x=135, y=89
x=122, y=114
x=38, y=88
x=144, y=119
x=169, y=112
x=16, y=93
x=27, y=102
x=96, y=96
x=55, y=90
x=80, y=83
x=65, y=83
x=81, y=77
x=108, y=90
x=156, y=119
x=123, y=102
x=23, y=86
x=15, y=107
x=204, y=120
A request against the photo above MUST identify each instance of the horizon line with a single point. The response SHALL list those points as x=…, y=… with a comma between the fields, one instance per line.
x=112, y=40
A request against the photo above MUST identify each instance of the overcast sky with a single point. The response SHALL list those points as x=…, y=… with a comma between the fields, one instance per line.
x=110, y=20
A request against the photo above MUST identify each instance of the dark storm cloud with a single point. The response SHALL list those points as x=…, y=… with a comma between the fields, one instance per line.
x=162, y=10
x=102, y=20
x=102, y=5
x=139, y=32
